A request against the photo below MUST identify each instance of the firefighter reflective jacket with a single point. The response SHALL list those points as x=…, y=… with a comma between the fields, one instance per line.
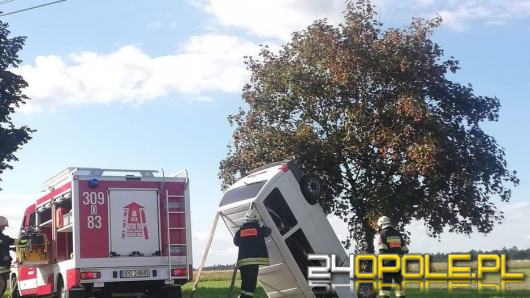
x=391, y=242
x=5, y=258
x=251, y=241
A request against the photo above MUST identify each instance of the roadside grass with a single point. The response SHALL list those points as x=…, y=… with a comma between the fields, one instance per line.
x=216, y=284
x=219, y=289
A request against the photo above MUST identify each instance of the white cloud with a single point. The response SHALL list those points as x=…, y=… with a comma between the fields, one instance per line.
x=278, y=18
x=213, y=62
x=459, y=15
x=509, y=233
x=222, y=251
x=207, y=63
x=273, y=18
x=155, y=24
x=424, y=2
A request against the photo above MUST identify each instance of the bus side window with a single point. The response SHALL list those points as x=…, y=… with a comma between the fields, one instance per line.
x=300, y=249
x=279, y=211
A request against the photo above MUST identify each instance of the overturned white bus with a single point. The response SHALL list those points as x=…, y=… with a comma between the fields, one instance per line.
x=287, y=202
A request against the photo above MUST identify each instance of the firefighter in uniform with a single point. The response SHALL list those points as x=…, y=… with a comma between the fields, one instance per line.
x=390, y=242
x=250, y=239
x=5, y=258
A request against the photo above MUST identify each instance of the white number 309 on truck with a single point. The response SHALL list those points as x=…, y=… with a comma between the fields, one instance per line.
x=99, y=231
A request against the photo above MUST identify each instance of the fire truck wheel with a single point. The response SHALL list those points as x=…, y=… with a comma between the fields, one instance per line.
x=62, y=292
x=103, y=294
x=169, y=292
x=310, y=188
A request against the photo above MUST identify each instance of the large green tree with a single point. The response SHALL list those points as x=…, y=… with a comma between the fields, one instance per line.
x=373, y=113
x=11, y=97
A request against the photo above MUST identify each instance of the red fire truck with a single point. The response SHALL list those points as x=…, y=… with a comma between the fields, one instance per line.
x=99, y=231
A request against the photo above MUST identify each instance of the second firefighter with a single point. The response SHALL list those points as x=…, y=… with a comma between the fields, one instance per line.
x=250, y=239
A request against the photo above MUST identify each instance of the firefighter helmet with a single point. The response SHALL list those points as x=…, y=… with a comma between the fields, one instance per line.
x=3, y=222
x=252, y=215
x=383, y=222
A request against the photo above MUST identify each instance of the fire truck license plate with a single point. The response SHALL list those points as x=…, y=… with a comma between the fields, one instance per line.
x=135, y=273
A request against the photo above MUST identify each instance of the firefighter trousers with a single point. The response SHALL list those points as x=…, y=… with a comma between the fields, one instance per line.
x=4, y=279
x=249, y=280
x=394, y=278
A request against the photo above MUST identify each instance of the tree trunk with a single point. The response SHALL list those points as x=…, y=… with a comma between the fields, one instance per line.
x=368, y=237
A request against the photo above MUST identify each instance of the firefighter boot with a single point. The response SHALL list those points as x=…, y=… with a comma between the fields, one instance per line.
x=384, y=293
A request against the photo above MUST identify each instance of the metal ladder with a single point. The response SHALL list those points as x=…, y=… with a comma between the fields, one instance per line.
x=169, y=228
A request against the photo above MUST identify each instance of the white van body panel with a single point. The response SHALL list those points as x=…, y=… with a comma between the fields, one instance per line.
x=284, y=277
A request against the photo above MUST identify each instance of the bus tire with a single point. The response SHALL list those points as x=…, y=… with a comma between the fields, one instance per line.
x=310, y=187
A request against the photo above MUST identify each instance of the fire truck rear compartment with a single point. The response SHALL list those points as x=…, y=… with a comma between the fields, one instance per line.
x=134, y=222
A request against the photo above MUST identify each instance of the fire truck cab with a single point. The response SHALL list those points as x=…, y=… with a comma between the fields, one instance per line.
x=99, y=231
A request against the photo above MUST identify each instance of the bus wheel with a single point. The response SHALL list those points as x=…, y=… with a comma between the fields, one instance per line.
x=310, y=188
x=14, y=288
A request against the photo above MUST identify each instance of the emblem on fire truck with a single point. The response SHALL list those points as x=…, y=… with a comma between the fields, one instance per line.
x=134, y=223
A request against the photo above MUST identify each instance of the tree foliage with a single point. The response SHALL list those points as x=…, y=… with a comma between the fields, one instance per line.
x=11, y=97
x=372, y=113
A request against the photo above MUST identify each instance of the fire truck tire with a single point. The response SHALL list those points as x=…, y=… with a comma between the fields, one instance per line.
x=14, y=288
x=103, y=294
x=310, y=187
x=62, y=292
x=168, y=292
x=174, y=292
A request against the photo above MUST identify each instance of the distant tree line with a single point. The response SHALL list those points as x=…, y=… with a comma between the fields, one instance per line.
x=513, y=253
x=219, y=267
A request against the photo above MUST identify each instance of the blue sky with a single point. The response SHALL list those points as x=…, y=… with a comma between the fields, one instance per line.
x=149, y=84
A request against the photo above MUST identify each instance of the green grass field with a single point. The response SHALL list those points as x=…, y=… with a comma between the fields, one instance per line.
x=216, y=284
